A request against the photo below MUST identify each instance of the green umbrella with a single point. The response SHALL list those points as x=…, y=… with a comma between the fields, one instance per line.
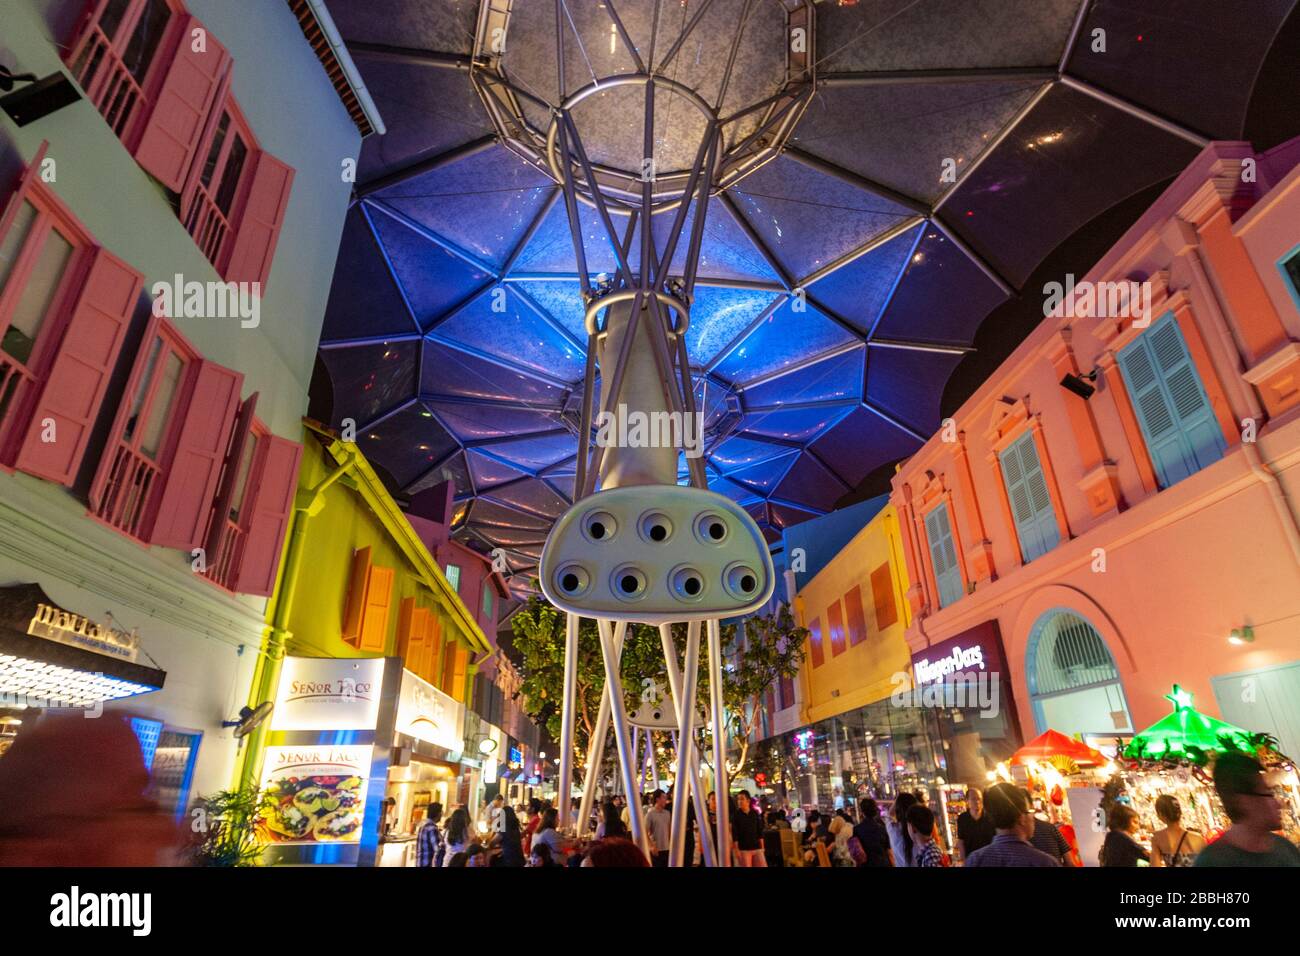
x=1187, y=734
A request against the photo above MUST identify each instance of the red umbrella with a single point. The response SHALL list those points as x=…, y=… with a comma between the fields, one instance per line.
x=1052, y=744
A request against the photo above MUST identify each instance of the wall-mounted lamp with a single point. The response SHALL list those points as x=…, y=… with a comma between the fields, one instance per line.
x=1242, y=635
x=38, y=100
x=1081, y=385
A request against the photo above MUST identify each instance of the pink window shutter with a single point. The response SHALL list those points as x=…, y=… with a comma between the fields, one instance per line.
x=138, y=371
x=260, y=223
x=195, y=467
x=22, y=188
x=269, y=515
x=230, y=473
x=74, y=388
x=176, y=124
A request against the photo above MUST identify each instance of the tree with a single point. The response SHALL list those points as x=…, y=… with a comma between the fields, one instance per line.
x=771, y=649
x=225, y=827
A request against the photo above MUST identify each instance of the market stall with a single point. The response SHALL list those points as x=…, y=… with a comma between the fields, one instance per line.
x=1064, y=778
x=1176, y=756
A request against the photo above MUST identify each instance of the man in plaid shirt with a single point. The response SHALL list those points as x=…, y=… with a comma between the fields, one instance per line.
x=1009, y=809
x=429, y=844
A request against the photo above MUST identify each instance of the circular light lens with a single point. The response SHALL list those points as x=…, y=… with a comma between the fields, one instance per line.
x=572, y=580
x=711, y=528
x=687, y=583
x=599, y=526
x=741, y=581
x=628, y=583
x=654, y=527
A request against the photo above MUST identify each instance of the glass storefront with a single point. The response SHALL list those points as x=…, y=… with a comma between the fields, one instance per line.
x=927, y=740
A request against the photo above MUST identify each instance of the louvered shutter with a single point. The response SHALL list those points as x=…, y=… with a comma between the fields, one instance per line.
x=835, y=624
x=260, y=222
x=1174, y=413
x=943, y=553
x=1031, y=504
x=815, y=649
x=854, y=618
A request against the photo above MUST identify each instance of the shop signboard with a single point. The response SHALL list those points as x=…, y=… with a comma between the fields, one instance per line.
x=426, y=713
x=325, y=693
x=977, y=651
x=316, y=793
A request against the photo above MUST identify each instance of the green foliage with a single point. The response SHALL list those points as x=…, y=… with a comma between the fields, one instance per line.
x=772, y=650
x=225, y=825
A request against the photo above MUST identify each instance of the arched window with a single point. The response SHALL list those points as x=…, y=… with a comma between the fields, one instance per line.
x=1073, y=681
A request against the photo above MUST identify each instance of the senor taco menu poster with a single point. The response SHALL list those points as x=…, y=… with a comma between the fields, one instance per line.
x=314, y=794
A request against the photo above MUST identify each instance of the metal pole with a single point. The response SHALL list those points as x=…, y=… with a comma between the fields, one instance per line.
x=568, y=712
x=688, y=780
x=618, y=714
x=720, y=786
x=599, y=737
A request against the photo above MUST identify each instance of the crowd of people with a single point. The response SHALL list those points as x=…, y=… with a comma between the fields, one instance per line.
x=999, y=828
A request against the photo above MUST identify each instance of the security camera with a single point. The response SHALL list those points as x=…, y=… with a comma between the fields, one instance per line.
x=1080, y=384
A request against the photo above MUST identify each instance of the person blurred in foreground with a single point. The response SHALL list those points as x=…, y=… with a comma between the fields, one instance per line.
x=1013, y=819
x=614, y=852
x=1255, y=813
x=871, y=836
x=920, y=825
x=73, y=792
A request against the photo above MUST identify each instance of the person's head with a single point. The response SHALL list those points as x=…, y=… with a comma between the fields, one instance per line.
x=458, y=826
x=660, y=799
x=868, y=809
x=614, y=851
x=618, y=800
x=476, y=856
x=920, y=822
x=1246, y=795
x=1009, y=810
x=498, y=801
x=814, y=818
x=902, y=803
x=743, y=803
x=1122, y=818
x=922, y=797
x=780, y=815
x=1168, y=809
x=540, y=856
x=534, y=807
x=975, y=802
x=459, y=859
x=550, y=819
x=510, y=822
x=435, y=812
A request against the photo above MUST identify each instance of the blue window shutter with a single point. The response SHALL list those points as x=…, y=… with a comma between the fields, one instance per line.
x=1181, y=431
x=1031, y=504
x=943, y=555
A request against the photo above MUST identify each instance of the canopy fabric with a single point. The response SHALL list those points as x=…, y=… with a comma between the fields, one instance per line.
x=1055, y=744
x=1187, y=733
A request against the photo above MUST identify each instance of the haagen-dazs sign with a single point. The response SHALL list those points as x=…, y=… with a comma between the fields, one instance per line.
x=321, y=693
x=958, y=660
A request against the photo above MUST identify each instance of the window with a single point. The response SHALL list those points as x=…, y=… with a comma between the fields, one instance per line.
x=234, y=200
x=163, y=461
x=1290, y=268
x=882, y=596
x=487, y=603
x=114, y=54
x=370, y=598
x=1073, y=681
x=943, y=555
x=453, y=577
x=1178, y=424
x=65, y=305
x=1031, y=505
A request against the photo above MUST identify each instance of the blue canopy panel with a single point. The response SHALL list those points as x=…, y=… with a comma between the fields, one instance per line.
x=1041, y=185
x=487, y=471
x=719, y=316
x=795, y=424
x=561, y=299
x=483, y=422
x=784, y=338
x=859, y=290
x=368, y=379
x=808, y=218
x=899, y=135
x=434, y=276
x=483, y=202
x=448, y=369
x=836, y=380
x=908, y=384
x=365, y=301
x=726, y=251
x=1159, y=53
x=811, y=485
x=942, y=298
x=861, y=442
x=502, y=323
x=942, y=34
x=407, y=443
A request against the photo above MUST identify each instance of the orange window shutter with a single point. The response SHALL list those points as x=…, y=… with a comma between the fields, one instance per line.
x=379, y=599
x=435, y=647
x=882, y=595
x=462, y=668
x=448, y=667
x=356, y=605
x=408, y=641
x=419, y=641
